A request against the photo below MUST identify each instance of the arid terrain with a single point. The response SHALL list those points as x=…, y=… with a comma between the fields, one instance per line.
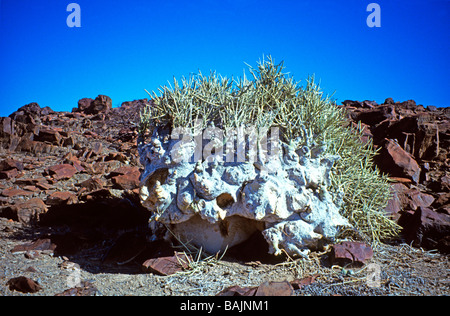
x=71, y=222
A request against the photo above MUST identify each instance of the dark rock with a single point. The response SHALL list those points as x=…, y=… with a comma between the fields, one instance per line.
x=101, y=104
x=92, y=184
x=427, y=227
x=83, y=105
x=167, y=265
x=27, y=113
x=395, y=161
x=48, y=135
x=418, y=199
x=9, y=164
x=24, y=285
x=350, y=252
x=61, y=198
x=389, y=101
x=63, y=171
x=373, y=116
x=9, y=174
x=30, y=212
x=15, y=192
x=127, y=181
x=38, y=245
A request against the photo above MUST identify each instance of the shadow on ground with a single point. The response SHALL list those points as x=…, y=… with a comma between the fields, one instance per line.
x=109, y=235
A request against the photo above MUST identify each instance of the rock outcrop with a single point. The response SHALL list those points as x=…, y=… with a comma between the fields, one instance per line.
x=414, y=148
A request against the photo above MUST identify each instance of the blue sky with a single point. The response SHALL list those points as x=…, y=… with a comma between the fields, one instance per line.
x=124, y=47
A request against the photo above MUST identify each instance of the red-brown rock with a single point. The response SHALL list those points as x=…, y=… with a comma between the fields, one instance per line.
x=60, y=172
x=61, y=198
x=29, y=212
x=24, y=285
x=15, y=192
x=83, y=105
x=101, y=104
x=48, y=135
x=394, y=160
x=127, y=181
x=126, y=178
x=124, y=170
x=92, y=184
x=427, y=227
x=9, y=174
x=167, y=265
x=418, y=199
x=38, y=245
x=351, y=252
x=9, y=164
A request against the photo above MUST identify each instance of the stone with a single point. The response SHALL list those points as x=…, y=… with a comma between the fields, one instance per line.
x=49, y=135
x=29, y=212
x=116, y=156
x=83, y=105
x=124, y=170
x=418, y=199
x=61, y=172
x=351, y=252
x=16, y=192
x=427, y=227
x=101, y=104
x=127, y=181
x=10, y=164
x=27, y=113
x=374, y=116
x=38, y=245
x=92, y=184
x=167, y=265
x=9, y=174
x=24, y=285
x=397, y=162
x=125, y=178
x=61, y=198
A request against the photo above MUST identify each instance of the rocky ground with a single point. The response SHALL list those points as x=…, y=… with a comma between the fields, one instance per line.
x=71, y=221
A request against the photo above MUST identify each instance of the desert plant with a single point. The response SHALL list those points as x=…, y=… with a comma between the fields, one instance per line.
x=273, y=98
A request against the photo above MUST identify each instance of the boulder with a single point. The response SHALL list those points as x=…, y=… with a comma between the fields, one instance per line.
x=24, y=285
x=351, y=252
x=428, y=228
x=63, y=171
x=30, y=212
x=101, y=104
x=394, y=160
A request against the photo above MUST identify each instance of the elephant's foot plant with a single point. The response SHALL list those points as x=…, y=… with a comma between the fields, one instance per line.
x=226, y=158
